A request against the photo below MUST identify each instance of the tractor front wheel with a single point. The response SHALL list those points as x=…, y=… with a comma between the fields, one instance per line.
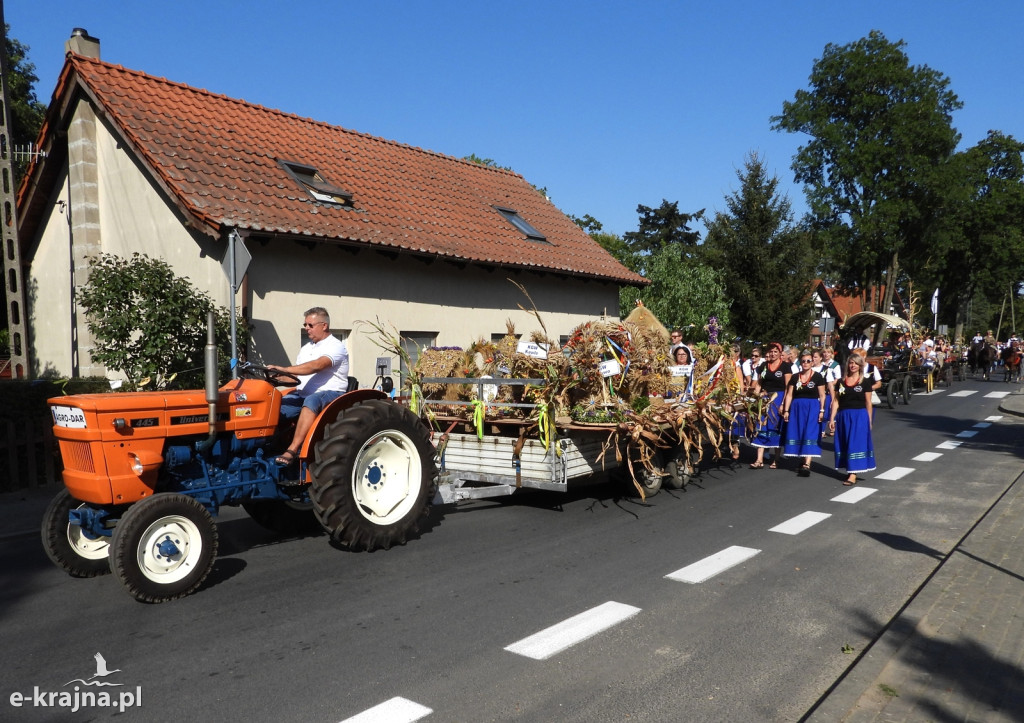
x=164, y=547
x=374, y=476
x=67, y=545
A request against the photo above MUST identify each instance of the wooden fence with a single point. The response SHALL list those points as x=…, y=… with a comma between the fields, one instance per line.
x=29, y=456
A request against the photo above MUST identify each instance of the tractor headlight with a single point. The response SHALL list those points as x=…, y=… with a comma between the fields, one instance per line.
x=143, y=460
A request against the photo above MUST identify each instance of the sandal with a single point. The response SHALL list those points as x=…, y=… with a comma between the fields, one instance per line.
x=287, y=458
x=805, y=470
x=850, y=482
x=756, y=465
x=773, y=465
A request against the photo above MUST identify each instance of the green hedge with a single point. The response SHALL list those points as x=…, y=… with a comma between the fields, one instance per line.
x=24, y=419
x=20, y=399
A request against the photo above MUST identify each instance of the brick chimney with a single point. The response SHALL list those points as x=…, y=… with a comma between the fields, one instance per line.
x=81, y=43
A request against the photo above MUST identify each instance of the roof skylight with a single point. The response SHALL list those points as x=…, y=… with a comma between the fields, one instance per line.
x=314, y=184
x=513, y=217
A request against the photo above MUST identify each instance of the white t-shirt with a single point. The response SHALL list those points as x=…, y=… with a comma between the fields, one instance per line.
x=334, y=377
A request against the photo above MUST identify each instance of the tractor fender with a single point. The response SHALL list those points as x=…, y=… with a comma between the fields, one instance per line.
x=330, y=414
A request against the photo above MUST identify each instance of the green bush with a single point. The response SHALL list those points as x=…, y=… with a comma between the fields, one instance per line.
x=150, y=325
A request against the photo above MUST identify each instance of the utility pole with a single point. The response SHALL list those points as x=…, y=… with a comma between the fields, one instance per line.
x=17, y=322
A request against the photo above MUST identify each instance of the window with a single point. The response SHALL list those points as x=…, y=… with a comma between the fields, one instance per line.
x=513, y=217
x=315, y=185
x=412, y=342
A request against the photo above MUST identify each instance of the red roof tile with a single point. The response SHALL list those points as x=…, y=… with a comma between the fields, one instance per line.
x=219, y=158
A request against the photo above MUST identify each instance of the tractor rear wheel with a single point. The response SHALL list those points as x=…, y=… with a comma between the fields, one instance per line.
x=67, y=545
x=283, y=516
x=374, y=476
x=164, y=547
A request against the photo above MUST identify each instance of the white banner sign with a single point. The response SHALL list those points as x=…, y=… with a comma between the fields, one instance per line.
x=537, y=351
x=610, y=368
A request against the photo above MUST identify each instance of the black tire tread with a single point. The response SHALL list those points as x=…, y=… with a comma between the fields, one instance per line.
x=332, y=474
x=135, y=521
x=55, y=541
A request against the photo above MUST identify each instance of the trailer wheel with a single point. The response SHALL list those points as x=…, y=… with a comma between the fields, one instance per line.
x=67, y=545
x=908, y=389
x=892, y=393
x=680, y=472
x=164, y=547
x=285, y=517
x=374, y=476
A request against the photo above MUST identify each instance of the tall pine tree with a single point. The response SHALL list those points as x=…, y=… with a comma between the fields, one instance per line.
x=766, y=263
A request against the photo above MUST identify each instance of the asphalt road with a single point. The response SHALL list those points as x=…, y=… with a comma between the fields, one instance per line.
x=297, y=630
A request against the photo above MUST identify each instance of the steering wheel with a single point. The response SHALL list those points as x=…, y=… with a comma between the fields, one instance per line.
x=275, y=376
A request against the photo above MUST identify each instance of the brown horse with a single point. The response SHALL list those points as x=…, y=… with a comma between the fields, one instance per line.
x=981, y=357
x=1011, y=364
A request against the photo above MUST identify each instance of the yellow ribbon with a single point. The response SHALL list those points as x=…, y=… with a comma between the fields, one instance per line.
x=479, y=412
x=542, y=424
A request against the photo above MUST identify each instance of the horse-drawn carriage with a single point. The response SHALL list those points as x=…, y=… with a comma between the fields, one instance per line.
x=897, y=366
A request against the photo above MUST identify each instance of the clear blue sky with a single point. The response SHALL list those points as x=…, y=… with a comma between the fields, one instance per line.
x=608, y=105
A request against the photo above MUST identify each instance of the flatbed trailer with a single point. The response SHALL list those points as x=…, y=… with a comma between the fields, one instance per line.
x=498, y=457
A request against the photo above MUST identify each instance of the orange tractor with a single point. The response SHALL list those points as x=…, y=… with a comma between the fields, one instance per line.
x=145, y=473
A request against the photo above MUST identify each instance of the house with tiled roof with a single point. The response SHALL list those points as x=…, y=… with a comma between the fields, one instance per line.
x=369, y=228
x=839, y=303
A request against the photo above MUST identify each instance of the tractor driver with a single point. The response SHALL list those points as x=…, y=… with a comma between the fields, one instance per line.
x=322, y=369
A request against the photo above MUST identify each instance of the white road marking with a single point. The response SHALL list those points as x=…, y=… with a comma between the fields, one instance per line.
x=982, y=425
x=932, y=393
x=997, y=395
x=948, y=445
x=967, y=433
x=801, y=522
x=927, y=457
x=713, y=564
x=964, y=393
x=396, y=710
x=895, y=473
x=854, y=495
x=542, y=645
x=994, y=418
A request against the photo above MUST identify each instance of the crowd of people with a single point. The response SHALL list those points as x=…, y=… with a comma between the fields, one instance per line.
x=806, y=396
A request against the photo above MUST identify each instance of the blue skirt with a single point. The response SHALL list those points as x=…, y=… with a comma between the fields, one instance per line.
x=803, y=430
x=769, y=431
x=855, y=452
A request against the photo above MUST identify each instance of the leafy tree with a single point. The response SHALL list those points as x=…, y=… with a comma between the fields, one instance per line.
x=665, y=226
x=150, y=324
x=26, y=116
x=26, y=111
x=880, y=133
x=980, y=241
x=766, y=263
x=683, y=293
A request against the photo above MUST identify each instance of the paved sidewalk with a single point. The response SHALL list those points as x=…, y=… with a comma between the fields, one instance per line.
x=954, y=652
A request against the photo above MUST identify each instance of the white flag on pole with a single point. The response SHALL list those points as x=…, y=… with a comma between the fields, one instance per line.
x=935, y=302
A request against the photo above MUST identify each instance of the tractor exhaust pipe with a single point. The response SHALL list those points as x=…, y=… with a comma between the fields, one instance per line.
x=210, y=373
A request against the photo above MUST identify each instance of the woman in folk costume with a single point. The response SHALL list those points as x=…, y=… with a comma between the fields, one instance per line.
x=681, y=384
x=850, y=420
x=770, y=383
x=828, y=367
x=803, y=411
